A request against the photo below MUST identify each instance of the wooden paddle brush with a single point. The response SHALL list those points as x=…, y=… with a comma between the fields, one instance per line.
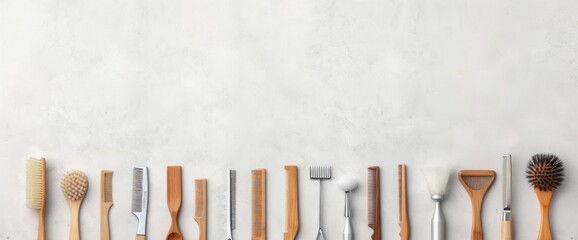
x=477, y=183
x=545, y=172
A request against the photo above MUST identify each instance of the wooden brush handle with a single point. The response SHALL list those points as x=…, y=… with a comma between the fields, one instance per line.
x=545, y=198
x=404, y=216
x=104, y=226
x=42, y=224
x=141, y=237
x=477, y=232
x=506, y=230
x=74, y=225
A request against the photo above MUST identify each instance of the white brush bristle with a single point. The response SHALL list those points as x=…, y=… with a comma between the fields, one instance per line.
x=347, y=184
x=35, y=183
x=437, y=179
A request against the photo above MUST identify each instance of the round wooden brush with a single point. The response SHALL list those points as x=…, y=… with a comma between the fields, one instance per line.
x=74, y=185
x=545, y=172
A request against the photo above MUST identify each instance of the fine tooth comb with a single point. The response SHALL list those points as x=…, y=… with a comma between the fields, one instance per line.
x=320, y=173
x=201, y=207
x=477, y=183
x=105, y=202
x=174, y=199
x=374, y=202
x=403, y=213
x=36, y=191
x=231, y=203
x=546, y=173
x=139, y=206
x=259, y=204
x=292, y=204
x=74, y=185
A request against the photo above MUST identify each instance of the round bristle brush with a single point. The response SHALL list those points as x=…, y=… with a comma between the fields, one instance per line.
x=74, y=185
x=36, y=191
x=545, y=172
x=437, y=180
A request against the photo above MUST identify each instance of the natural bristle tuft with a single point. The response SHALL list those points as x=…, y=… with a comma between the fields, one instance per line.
x=545, y=172
x=74, y=185
x=35, y=183
x=437, y=179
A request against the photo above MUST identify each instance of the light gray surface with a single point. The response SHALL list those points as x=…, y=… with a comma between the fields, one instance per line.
x=216, y=84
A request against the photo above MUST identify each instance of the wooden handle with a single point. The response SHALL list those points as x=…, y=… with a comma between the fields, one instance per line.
x=477, y=232
x=545, y=198
x=404, y=216
x=292, y=207
x=202, y=222
x=376, y=233
x=41, y=224
x=506, y=230
x=174, y=196
x=140, y=237
x=104, y=226
x=74, y=215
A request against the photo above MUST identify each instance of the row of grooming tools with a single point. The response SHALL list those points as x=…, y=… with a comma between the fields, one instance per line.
x=543, y=171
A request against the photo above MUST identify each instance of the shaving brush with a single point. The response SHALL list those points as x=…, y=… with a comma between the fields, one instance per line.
x=545, y=172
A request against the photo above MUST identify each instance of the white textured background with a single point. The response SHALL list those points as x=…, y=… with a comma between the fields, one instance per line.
x=217, y=84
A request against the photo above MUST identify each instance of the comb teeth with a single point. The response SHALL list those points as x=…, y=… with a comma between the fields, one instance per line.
x=35, y=183
x=259, y=203
x=200, y=197
x=373, y=195
x=233, y=197
x=137, y=189
x=320, y=172
x=107, y=186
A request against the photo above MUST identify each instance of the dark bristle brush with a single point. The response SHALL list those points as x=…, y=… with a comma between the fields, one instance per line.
x=545, y=172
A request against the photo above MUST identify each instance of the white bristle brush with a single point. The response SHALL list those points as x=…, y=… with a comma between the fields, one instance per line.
x=347, y=185
x=36, y=191
x=437, y=182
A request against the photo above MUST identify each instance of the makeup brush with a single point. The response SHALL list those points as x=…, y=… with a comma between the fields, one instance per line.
x=347, y=185
x=74, y=185
x=36, y=191
x=437, y=182
x=545, y=172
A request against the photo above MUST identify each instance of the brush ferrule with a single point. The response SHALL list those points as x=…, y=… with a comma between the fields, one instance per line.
x=507, y=215
x=347, y=205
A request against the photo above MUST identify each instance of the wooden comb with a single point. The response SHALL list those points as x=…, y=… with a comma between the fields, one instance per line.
x=292, y=204
x=374, y=202
x=201, y=207
x=403, y=213
x=259, y=231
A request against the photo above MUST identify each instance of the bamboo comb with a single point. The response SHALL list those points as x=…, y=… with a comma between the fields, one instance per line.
x=105, y=202
x=36, y=191
x=201, y=207
x=292, y=204
x=477, y=183
x=374, y=202
x=403, y=213
x=174, y=198
x=259, y=204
